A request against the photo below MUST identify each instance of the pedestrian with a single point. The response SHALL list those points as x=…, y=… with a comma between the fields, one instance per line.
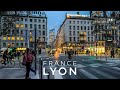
x=5, y=56
x=18, y=55
x=75, y=52
x=28, y=57
x=65, y=52
x=31, y=69
x=112, y=53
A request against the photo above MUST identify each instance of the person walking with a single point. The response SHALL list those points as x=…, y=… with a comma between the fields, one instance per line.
x=5, y=54
x=28, y=57
x=112, y=53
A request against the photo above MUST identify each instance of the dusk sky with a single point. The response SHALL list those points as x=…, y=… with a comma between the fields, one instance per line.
x=55, y=18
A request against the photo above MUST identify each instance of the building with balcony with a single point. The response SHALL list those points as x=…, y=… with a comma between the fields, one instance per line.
x=22, y=31
x=75, y=32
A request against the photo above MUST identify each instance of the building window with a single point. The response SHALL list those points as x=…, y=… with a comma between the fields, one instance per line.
x=70, y=27
x=17, y=38
x=26, y=25
x=74, y=33
x=39, y=32
x=17, y=19
x=81, y=27
x=39, y=26
x=88, y=33
x=77, y=22
x=21, y=44
x=4, y=38
x=17, y=44
x=43, y=21
x=43, y=32
x=8, y=31
x=43, y=38
x=91, y=38
x=30, y=26
x=70, y=38
x=21, y=19
x=25, y=19
x=78, y=39
x=81, y=22
x=78, y=32
x=13, y=38
x=88, y=28
x=43, y=26
x=39, y=20
x=8, y=38
x=13, y=32
x=70, y=22
x=84, y=27
x=21, y=32
x=22, y=38
x=70, y=33
x=88, y=38
x=88, y=22
x=73, y=27
x=73, y=22
x=17, y=31
x=74, y=39
x=4, y=44
x=35, y=20
x=30, y=20
x=84, y=22
x=91, y=27
x=25, y=44
x=77, y=27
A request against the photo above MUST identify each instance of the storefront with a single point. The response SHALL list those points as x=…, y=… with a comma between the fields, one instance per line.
x=21, y=49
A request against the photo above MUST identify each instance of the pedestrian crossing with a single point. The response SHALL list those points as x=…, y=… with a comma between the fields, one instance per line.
x=100, y=72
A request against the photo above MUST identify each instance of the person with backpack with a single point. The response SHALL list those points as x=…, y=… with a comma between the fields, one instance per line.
x=28, y=57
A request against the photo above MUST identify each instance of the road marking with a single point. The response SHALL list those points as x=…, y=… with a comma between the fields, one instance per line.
x=79, y=66
x=112, y=64
x=57, y=75
x=103, y=74
x=95, y=65
x=12, y=68
x=116, y=68
x=89, y=75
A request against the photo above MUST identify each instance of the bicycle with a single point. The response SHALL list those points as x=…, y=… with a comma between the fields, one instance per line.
x=20, y=63
x=9, y=62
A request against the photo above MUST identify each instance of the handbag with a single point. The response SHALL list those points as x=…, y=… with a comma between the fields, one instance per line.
x=24, y=62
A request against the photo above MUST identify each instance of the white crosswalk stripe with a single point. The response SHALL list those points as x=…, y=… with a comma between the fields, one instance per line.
x=57, y=75
x=103, y=74
x=79, y=66
x=116, y=68
x=87, y=74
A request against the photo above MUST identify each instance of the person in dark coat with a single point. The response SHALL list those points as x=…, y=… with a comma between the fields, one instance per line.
x=112, y=53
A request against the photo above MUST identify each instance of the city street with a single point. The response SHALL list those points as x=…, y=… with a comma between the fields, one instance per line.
x=87, y=68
